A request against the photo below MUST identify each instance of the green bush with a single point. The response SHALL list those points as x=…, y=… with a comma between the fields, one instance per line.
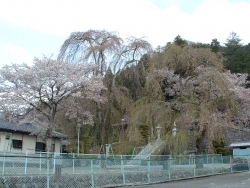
x=219, y=146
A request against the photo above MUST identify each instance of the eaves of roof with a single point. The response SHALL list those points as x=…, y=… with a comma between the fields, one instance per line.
x=25, y=128
x=240, y=144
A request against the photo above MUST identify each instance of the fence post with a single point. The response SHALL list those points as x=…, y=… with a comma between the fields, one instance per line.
x=48, y=164
x=231, y=162
x=148, y=171
x=92, y=174
x=248, y=163
x=4, y=159
x=73, y=163
x=122, y=170
x=213, y=165
x=54, y=165
x=169, y=169
x=194, y=170
x=40, y=167
x=26, y=161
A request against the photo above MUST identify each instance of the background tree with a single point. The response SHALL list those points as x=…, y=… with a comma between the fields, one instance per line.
x=185, y=61
x=215, y=45
x=36, y=93
x=180, y=41
x=187, y=82
x=231, y=46
x=92, y=46
x=233, y=42
x=237, y=55
x=238, y=88
x=109, y=52
x=240, y=61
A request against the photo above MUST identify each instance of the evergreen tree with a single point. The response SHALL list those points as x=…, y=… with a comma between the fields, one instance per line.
x=180, y=41
x=240, y=61
x=200, y=45
x=231, y=46
x=237, y=55
x=215, y=45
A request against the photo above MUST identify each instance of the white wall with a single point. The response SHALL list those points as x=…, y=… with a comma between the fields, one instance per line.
x=28, y=142
x=58, y=145
x=5, y=144
x=241, y=152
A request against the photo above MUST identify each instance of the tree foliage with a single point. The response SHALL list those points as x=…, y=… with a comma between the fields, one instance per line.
x=180, y=41
x=177, y=144
x=231, y=46
x=215, y=45
x=112, y=54
x=37, y=93
x=90, y=46
x=186, y=82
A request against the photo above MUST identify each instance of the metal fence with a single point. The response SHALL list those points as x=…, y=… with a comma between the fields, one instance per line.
x=68, y=170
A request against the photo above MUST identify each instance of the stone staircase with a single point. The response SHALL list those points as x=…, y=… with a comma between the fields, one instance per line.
x=151, y=148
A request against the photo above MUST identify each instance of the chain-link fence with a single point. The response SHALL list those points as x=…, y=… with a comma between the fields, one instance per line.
x=68, y=170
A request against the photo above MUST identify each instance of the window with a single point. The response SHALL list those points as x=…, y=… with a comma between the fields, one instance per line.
x=243, y=147
x=52, y=147
x=40, y=146
x=17, y=143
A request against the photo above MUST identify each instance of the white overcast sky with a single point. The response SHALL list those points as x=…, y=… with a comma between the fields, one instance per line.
x=30, y=28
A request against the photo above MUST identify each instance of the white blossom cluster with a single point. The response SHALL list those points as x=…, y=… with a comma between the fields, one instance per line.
x=39, y=91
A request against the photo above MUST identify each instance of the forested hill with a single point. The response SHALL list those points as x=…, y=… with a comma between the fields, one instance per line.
x=191, y=84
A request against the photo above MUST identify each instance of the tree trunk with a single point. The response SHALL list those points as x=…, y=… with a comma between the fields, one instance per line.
x=48, y=144
x=199, y=156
